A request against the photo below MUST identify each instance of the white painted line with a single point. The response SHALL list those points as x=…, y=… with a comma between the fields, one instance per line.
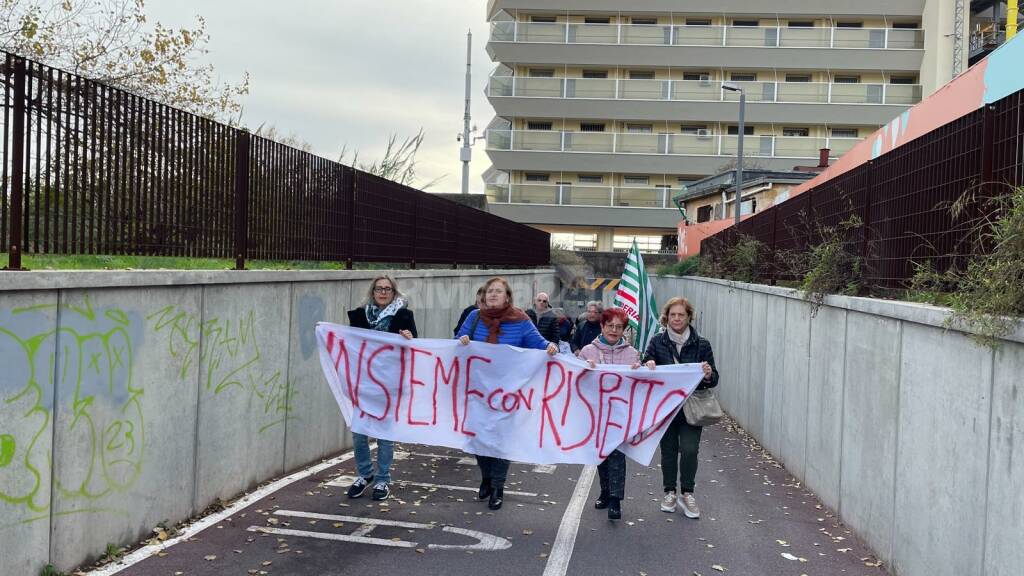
x=463, y=460
x=485, y=542
x=346, y=480
x=338, y=537
x=545, y=468
x=565, y=541
x=363, y=530
x=337, y=518
x=204, y=523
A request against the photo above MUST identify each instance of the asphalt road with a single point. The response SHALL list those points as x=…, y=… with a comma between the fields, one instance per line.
x=757, y=520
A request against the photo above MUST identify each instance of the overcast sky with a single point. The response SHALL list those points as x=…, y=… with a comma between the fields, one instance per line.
x=345, y=72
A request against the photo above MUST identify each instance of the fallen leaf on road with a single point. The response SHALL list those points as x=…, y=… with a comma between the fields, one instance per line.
x=527, y=531
x=783, y=543
x=210, y=557
x=789, y=556
x=718, y=567
x=420, y=550
x=266, y=563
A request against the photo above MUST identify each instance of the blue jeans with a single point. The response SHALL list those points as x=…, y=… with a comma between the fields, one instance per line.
x=364, y=463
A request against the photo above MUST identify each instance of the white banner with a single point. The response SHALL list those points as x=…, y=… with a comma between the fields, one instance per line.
x=499, y=400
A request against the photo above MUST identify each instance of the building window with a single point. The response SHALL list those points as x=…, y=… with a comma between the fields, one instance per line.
x=803, y=132
x=538, y=125
x=644, y=21
x=748, y=23
x=906, y=25
x=636, y=181
x=698, y=22
x=591, y=179
x=543, y=19
x=594, y=20
x=704, y=213
x=846, y=79
x=798, y=78
x=743, y=77
x=696, y=76
x=542, y=72
x=693, y=129
x=591, y=127
x=537, y=177
x=686, y=180
x=844, y=133
x=639, y=128
x=647, y=244
x=849, y=24
x=584, y=242
x=748, y=207
x=595, y=73
x=735, y=130
x=641, y=74
x=801, y=24
x=902, y=80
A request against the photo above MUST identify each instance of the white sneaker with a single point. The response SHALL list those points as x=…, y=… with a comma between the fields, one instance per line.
x=689, y=505
x=668, y=503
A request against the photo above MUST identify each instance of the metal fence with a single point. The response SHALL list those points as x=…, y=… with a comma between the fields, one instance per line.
x=91, y=169
x=903, y=199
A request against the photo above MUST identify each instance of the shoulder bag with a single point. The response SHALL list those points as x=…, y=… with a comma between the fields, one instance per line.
x=701, y=408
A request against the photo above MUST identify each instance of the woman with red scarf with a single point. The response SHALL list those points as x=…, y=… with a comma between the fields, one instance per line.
x=499, y=322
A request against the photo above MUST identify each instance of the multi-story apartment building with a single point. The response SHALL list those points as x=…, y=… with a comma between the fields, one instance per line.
x=605, y=108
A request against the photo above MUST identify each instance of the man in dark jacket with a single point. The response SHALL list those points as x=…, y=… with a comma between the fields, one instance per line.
x=465, y=313
x=589, y=328
x=543, y=317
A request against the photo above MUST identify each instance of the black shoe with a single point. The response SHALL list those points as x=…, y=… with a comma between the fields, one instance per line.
x=358, y=487
x=382, y=491
x=485, y=489
x=614, y=509
x=602, y=501
x=497, y=496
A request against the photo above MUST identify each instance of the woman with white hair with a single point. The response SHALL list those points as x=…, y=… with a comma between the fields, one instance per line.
x=385, y=309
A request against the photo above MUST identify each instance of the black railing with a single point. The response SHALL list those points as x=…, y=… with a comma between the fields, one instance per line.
x=92, y=169
x=903, y=199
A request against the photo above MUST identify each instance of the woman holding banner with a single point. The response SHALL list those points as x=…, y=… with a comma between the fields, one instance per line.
x=611, y=348
x=385, y=309
x=679, y=343
x=499, y=322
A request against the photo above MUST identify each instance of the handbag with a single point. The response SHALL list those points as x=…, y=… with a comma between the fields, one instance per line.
x=702, y=408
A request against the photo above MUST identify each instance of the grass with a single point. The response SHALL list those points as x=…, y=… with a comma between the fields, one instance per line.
x=99, y=262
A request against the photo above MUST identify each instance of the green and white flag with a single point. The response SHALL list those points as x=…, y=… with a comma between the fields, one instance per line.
x=636, y=298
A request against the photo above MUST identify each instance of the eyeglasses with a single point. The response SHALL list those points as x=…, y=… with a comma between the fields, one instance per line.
x=615, y=326
x=382, y=290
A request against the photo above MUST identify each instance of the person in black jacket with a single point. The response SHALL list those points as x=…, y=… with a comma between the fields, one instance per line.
x=679, y=343
x=589, y=328
x=543, y=317
x=465, y=313
x=384, y=309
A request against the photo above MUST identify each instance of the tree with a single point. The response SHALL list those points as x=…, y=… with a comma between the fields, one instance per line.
x=112, y=42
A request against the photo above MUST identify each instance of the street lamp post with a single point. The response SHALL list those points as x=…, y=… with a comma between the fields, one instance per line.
x=731, y=87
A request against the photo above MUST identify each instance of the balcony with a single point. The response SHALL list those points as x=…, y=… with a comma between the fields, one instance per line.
x=768, y=146
x=571, y=195
x=702, y=91
x=734, y=36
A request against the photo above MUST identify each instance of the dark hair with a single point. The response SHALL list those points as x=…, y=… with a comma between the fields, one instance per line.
x=610, y=314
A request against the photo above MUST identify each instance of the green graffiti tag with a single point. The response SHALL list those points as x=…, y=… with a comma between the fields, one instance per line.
x=86, y=361
x=230, y=359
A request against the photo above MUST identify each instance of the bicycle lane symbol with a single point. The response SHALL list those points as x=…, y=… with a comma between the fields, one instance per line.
x=483, y=541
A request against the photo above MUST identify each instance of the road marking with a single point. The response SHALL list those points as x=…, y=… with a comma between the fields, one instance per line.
x=346, y=480
x=484, y=541
x=204, y=523
x=565, y=541
x=468, y=460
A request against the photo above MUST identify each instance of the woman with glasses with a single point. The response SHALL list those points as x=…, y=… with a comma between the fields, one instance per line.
x=499, y=322
x=611, y=348
x=384, y=309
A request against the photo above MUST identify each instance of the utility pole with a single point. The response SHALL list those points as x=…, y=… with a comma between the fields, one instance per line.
x=466, y=152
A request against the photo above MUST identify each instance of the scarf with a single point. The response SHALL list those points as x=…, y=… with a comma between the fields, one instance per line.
x=381, y=319
x=619, y=344
x=679, y=340
x=493, y=317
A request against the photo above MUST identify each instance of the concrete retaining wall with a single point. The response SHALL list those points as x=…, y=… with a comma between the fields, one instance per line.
x=912, y=432
x=131, y=398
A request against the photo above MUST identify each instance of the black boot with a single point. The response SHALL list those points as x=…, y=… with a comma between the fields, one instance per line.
x=497, y=496
x=485, y=489
x=602, y=501
x=614, y=509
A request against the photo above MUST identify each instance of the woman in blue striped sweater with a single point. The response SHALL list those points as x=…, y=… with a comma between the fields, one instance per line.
x=499, y=322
